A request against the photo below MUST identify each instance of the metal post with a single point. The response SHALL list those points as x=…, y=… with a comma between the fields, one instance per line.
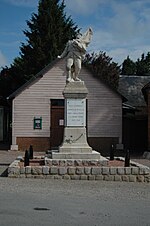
x=127, y=159
x=31, y=152
x=26, y=158
x=112, y=152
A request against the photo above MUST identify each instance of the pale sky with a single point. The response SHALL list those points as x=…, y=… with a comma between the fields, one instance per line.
x=120, y=27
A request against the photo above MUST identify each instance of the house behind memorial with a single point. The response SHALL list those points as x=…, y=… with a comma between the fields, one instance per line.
x=134, y=112
x=38, y=111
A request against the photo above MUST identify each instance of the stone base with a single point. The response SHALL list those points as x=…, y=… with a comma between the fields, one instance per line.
x=94, y=155
x=75, y=141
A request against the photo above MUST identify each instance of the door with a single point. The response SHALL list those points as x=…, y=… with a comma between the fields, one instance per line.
x=57, y=123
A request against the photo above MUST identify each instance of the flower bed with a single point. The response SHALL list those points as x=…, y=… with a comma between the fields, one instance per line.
x=80, y=170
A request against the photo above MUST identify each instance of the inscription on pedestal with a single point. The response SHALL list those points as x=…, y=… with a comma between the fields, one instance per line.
x=76, y=112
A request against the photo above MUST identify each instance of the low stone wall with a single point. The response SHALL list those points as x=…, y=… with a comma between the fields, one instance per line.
x=78, y=162
x=137, y=173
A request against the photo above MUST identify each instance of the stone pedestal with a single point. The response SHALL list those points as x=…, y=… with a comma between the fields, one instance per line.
x=75, y=144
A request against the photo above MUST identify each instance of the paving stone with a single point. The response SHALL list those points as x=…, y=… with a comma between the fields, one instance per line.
x=109, y=177
x=105, y=170
x=48, y=162
x=70, y=162
x=49, y=176
x=96, y=171
x=79, y=170
x=53, y=170
x=140, y=178
x=28, y=169
x=78, y=162
x=75, y=177
x=85, y=162
x=62, y=162
x=87, y=170
x=66, y=177
x=91, y=177
x=45, y=170
x=147, y=178
x=104, y=163
x=99, y=177
x=11, y=175
x=121, y=170
x=83, y=177
x=14, y=170
x=127, y=170
x=41, y=176
x=62, y=170
x=132, y=178
x=134, y=170
x=117, y=178
x=113, y=170
x=71, y=170
x=22, y=176
x=29, y=176
x=22, y=170
x=55, y=162
x=144, y=170
x=125, y=178
x=57, y=177
x=94, y=162
x=36, y=170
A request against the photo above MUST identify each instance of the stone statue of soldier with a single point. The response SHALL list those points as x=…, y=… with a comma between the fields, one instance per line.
x=74, y=53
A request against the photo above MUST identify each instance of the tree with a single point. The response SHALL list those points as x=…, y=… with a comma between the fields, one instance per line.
x=103, y=67
x=128, y=67
x=10, y=80
x=49, y=31
x=143, y=65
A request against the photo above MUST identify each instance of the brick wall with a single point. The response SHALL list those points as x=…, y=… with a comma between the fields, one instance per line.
x=38, y=143
x=102, y=144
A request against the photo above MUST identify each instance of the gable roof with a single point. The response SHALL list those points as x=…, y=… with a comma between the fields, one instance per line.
x=46, y=69
x=33, y=79
x=131, y=87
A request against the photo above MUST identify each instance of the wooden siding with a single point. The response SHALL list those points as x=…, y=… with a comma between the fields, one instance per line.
x=104, y=109
x=104, y=105
x=34, y=101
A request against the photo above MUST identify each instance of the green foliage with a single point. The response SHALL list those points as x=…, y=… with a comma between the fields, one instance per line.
x=49, y=31
x=141, y=67
x=103, y=67
x=10, y=80
x=128, y=67
x=47, y=34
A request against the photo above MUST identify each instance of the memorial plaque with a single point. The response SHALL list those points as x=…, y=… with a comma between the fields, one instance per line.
x=76, y=112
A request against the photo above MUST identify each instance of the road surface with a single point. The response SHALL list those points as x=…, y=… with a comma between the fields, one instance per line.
x=41, y=202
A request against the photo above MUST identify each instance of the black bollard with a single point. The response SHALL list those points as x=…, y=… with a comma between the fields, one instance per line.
x=112, y=150
x=127, y=159
x=31, y=152
x=26, y=158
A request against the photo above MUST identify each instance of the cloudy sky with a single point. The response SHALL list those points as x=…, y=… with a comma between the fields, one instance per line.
x=121, y=27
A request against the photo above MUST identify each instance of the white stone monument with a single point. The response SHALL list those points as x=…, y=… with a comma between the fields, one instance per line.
x=75, y=144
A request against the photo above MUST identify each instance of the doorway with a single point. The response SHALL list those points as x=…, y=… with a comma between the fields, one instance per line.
x=57, y=123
